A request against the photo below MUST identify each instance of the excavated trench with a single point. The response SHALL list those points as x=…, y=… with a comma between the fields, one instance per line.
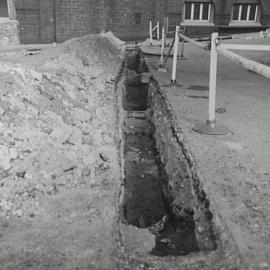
x=160, y=191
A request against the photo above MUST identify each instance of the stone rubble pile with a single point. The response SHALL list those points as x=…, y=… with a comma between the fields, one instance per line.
x=57, y=122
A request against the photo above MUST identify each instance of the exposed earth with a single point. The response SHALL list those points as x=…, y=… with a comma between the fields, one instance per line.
x=83, y=186
x=59, y=160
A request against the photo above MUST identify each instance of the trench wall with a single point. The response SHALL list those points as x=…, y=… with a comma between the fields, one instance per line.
x=211, y=230
x=185, y=190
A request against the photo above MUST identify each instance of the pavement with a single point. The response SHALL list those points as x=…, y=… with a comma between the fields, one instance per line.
x=234, y=169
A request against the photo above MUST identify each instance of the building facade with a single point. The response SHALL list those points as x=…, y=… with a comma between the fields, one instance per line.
x=225, y=16
x=45, y=21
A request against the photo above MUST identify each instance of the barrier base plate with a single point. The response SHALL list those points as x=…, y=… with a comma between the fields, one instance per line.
x=172, y=84
x=162, y=69
x=207, y=128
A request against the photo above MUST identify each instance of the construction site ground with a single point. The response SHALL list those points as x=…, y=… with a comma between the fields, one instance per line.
x=59, y=156
x=235, y=168
x=60, y=160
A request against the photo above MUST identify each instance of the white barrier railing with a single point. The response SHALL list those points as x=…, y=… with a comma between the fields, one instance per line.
x=152, y=29
x=210, y=127
x=217, y=48
x=248, y=64
x=178, y=36
x=163, y=41
x=162, y=60
x=175, y=54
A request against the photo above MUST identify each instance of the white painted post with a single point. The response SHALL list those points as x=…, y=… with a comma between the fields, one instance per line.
x=150, y=32
x=167, y=25
x=158, y=37
x=175, y=54
x=213, y=80
x=162, y=46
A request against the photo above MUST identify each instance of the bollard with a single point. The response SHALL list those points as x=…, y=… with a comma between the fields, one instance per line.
x=161, y=67
x=175, y=55
x=158, y=37
x=213, y=80
x=150, y=32
x=165, y=29
x=167, y=25
x=162, y=46
x=210, y=127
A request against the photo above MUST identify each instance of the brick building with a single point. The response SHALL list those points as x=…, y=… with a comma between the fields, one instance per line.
x=44, y=21
x=225, y=16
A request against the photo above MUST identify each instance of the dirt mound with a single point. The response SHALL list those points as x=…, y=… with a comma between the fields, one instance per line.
x=57, y=121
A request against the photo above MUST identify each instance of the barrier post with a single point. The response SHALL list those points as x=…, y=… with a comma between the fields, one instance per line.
x=150, y=32
x=167, y=25
x=175, y=55
x=158, y=37
x=162, y=46
x=213, y=80
x=210, y=127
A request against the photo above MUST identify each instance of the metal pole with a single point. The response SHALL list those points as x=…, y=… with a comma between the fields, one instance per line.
x=213, y=80
x=167, y=25
x=162, y=46
x=210, y=127
x=175, y=54
x=150, y=32
x=158, y=31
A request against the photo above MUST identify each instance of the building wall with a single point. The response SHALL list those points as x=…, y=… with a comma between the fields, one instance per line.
x=75, y=18
x=221, y=19
x=58, y=20
x=222, y=8
x=122, y=21
x=28, y=16
x=47, y=24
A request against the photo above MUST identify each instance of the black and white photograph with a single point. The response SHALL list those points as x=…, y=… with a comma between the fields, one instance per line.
x=134, y=134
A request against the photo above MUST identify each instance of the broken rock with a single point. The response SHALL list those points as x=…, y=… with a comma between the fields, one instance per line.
x=81, y=115
x=75, y=137
x=89, y=160
x=13, y=153
x=4, y=157
x=61, y=134
x=2, y=111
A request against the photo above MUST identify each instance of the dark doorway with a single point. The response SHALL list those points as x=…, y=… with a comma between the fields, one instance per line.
x=3, y=8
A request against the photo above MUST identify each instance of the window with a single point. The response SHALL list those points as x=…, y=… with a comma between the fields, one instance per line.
x=3, y=8
x=198, y=11
x=138, y=17
x=245, y=12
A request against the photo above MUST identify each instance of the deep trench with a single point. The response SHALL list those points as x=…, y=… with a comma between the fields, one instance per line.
x=149, y=198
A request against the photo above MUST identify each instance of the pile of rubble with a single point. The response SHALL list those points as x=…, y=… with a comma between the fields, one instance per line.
x=57, y=121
